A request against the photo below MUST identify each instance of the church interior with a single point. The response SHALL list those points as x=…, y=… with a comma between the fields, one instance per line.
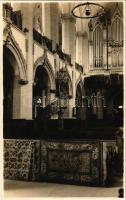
x=63, y=94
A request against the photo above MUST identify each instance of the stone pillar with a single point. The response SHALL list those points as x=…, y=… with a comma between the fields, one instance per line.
x=46, y=20
x=99, y=105
x=94, y=103
x=51, y=22
x=69, y=47
x=85, y=53
x=79, y=47
x=68, y=36
x=27, y=90
x=82, y=49
x=84, y=105
x=16, y=98
x=71, y=105
x=83, y=110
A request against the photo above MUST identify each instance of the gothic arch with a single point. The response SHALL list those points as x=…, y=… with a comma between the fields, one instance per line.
x=80, y=82
x=97, y=25
x=117, y=24
x=14, y=47
x=117, y=13
x=44, y=61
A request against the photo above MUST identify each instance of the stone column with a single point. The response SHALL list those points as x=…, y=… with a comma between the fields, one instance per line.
x=16, y=98
x=83, y=112
x=68, y=36
x=79, y=47
x=85, y=53
x=27, y=90
x=99, y=105
x=71, y=105
x=51, y=22
x=94, y=103
x=82, y=49
x=69, y=47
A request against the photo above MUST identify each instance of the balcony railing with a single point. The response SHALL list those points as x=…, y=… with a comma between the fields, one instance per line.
x=42, y=40
x=79, y=67
x=62, y=55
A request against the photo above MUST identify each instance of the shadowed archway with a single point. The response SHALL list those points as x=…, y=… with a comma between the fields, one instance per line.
x=11, y=86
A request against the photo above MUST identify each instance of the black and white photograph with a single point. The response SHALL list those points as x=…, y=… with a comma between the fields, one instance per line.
x=63, y=98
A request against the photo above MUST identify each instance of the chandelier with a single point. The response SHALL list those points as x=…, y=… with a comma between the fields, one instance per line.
x=88, y=10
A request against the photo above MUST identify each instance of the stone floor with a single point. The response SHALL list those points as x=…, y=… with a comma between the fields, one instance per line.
x=13, y=188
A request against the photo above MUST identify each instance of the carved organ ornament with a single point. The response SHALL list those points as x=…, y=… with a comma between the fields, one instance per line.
x=11, y=43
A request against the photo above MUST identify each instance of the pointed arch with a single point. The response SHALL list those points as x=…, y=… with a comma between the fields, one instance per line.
x=14, y=47
x=44, y=61
x=117, y=12
x=117, y=30
x=80, y=82
x=117, y=26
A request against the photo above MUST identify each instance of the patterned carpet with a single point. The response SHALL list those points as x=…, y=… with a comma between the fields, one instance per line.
x=21, y=159
x=73, y=162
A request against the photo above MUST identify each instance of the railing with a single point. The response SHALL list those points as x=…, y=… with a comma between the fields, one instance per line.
x=63, y=55
x=42, y=40
x=79, y=67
